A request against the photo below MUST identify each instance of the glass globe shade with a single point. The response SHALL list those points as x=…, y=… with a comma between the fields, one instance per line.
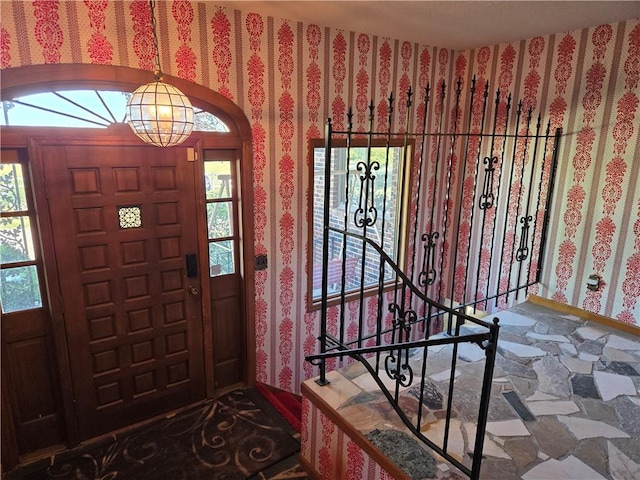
x=160, y=114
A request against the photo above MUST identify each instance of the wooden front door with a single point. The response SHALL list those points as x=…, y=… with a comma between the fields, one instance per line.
x=123, y=220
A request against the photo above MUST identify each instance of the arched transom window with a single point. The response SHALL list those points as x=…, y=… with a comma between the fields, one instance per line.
x=85, y=109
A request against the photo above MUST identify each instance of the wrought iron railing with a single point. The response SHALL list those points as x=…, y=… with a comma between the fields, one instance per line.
x=463, y=192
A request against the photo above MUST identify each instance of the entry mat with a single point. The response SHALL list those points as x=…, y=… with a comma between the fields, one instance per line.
x=231, y=438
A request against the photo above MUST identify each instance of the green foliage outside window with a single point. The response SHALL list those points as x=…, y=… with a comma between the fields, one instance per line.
x=19, y=284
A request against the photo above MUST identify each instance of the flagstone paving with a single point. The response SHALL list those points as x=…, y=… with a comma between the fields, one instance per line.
x=565, y=401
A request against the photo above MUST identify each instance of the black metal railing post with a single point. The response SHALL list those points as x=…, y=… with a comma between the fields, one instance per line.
x=463, y=173
x=523, y=252
x=322, y=380
x=541, y=187
x=547, y=208
x=418, y=192
x=483, y=413
x=498, y=195
x=343, y=266
x=452, y=152
x=433, y=234
x=508, y=204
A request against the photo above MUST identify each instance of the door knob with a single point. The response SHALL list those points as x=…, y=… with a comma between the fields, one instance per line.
x=193, y=290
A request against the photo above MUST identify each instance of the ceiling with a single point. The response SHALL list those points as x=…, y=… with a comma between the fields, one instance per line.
x=450, y=24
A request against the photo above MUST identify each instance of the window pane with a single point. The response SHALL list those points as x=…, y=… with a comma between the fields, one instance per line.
x=378, y=201
x=207, y=122
x=114, y=104
x=217, y=179
x=353, y=275
x=16, y=240
x=59, y=111
x=221, y=258
x=99, y=108
x=219, y=221
x=13, y=198
x=19, y=289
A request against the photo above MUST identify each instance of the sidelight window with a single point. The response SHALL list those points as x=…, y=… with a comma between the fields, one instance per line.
x=219, y=175
x=19, y=279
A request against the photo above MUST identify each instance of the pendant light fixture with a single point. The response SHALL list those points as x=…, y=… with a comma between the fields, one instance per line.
x=159, y=113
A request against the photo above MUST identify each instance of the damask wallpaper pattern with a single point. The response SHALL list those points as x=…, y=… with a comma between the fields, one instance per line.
x=289, y=77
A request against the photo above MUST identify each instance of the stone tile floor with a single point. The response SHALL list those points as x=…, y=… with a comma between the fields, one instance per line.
x=565, y=401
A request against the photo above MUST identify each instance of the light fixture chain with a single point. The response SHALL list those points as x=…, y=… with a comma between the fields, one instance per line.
x=158, y=72
x=158, y=113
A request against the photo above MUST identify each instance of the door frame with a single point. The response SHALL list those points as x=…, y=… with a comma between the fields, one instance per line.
x=39, y=78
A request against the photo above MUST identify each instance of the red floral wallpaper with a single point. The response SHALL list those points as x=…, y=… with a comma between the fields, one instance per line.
x=289, y=77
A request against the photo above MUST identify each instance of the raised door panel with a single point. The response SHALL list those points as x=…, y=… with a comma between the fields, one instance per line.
x=36, y=408
x=228, y=331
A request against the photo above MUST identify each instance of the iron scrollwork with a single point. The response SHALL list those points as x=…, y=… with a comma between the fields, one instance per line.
x=487, y=199
x=397, y=367
x=428, y=274
x=523, y=249
x=366, y=214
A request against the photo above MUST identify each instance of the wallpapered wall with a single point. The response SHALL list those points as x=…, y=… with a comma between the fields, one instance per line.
x=289, y=77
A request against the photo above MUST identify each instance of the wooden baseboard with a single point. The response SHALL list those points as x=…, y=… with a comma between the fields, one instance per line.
x=578, y=312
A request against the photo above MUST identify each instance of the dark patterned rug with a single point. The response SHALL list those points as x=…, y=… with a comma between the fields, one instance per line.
x=234, y=437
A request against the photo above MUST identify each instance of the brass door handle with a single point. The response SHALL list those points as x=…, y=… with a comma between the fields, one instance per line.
x=193, y=290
